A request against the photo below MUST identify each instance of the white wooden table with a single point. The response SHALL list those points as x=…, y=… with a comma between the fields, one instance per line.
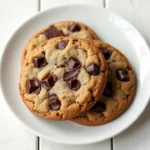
x=12, y=135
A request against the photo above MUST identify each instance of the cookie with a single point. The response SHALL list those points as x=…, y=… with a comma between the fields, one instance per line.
x=66, y=28
x=119, y=90
x=62, y=78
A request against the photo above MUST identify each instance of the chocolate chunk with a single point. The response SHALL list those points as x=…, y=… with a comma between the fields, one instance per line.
x=75, y=40
x=74, y=84
x=33, y=86
x=74, y=28
x=43, y=52
x=62, y=44
x=99, y=107
x=52, y=97
x=93, y=69
x=122, y=75
x=106, y=52
x=54, y=103
x=49, y=81
x=40, y=61
x=73, y=63
x=53, y=32
x=71, y=74
x=108, y=89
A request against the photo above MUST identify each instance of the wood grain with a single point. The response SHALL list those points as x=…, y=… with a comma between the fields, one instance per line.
x=45, y=4
x=137, y=137
x=12, y=135
x=46, y=145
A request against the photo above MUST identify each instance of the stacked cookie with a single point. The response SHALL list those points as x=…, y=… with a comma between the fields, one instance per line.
x=67, y=73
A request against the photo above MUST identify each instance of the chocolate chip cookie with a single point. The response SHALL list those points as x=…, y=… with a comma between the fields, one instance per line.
x=119, y=90
x=66, y=28
x=63, y=78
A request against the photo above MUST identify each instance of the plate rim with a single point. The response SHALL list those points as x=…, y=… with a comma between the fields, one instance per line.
x=26, y=125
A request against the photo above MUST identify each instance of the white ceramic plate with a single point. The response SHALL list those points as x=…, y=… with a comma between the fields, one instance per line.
x=110, y=28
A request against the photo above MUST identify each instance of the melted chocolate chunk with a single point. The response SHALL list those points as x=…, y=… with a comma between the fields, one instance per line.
x=106, y=52
x=99, y=107
x=75, y=40
x=122, y=75
x=71, y=74
x=62, y=44
x=93, y=69
x=108, y=89
x=74, y=84
x=49, y=81
x=73, y=63
x=53, y=32
x=74, y=28
x=33, y=86
x=54, y=103
x=40, y=61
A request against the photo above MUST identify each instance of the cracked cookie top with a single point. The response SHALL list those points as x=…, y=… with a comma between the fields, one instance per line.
x=62, y=78
x=65, y=28
x=119, y=90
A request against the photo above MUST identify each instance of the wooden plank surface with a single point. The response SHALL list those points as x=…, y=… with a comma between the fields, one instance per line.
x=137, y=137
x=12, y=135
x=47, y=145
x=45, y=4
